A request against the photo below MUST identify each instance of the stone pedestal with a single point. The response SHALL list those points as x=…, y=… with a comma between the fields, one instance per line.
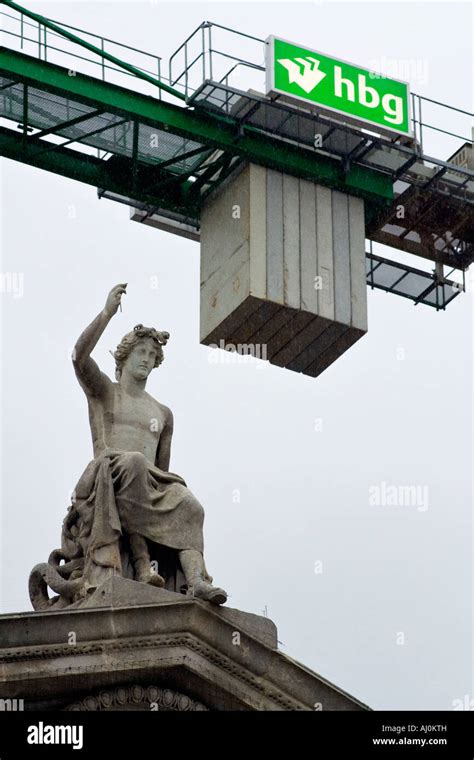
x=283, y=270
x=137, y=647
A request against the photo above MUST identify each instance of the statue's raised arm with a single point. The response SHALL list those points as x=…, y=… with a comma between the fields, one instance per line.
x=128, y=510
x=91, y=379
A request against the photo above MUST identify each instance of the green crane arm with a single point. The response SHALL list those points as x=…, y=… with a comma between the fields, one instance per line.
x=102, y=53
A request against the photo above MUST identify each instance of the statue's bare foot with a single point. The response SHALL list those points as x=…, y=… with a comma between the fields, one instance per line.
x=152, y=578
x=208, y=593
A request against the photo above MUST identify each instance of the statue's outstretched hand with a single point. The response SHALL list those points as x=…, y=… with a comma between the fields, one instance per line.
x=114, y=298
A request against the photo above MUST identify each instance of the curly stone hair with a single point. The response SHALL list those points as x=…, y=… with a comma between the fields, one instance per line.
x=131, y=339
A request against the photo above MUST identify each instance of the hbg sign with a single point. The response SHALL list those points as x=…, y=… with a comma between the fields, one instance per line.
x=335, y=85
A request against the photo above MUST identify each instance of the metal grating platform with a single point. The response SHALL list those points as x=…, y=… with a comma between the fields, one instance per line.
x=420, y=287
x=438, y=200
x=70, y=105
x=79, y=123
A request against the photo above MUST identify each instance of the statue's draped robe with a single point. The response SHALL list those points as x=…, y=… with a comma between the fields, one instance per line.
x=121, y=493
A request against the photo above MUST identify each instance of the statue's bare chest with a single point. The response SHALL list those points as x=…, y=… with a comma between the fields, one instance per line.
x=141, y=413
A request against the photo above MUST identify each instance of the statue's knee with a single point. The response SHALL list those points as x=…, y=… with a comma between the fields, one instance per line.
x=193, y=507
x=196, y=508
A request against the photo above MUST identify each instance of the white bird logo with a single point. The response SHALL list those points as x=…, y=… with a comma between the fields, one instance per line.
x=304, y=71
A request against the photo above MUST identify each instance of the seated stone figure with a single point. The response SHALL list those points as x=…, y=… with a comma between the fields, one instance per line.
x=130, y=516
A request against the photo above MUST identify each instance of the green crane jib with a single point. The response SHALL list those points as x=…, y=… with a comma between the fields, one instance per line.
x=169, y=156
x=141, y=135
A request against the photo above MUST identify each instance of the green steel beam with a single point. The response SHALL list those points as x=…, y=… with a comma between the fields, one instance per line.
x=93, y=48
x=185, y=174
x=53, y=146
x=215, y=131
x=58, y=128
x=225, y=171
x=209, y=171
x=116, y=176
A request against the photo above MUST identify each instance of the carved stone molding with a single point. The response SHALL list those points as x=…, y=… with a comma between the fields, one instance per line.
x=153, y=642
x=151, y=698
x=181, y=644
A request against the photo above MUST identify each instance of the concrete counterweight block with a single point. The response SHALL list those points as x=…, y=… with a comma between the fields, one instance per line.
x=283, y=270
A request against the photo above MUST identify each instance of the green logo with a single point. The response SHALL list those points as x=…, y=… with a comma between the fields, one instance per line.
x=337, y=86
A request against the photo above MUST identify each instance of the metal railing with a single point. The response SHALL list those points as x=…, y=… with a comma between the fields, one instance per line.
x=91, y=54
x=201, y=57
x=209, y=61
x=418, y=124
x=212, y=52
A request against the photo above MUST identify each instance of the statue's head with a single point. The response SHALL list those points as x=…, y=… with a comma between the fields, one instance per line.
x=140, y=351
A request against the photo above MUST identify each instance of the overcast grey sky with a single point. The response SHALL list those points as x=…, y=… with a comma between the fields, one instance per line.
x=342, y=579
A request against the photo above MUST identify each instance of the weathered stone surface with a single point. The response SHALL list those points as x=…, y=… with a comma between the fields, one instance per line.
x=221, y=658
x=120, y=592
x=129, y=514
x=282, y=270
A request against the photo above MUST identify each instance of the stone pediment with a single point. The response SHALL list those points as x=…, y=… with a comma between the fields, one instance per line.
x=133, y=636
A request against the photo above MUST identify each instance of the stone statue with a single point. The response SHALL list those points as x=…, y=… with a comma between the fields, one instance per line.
x=129, y=515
